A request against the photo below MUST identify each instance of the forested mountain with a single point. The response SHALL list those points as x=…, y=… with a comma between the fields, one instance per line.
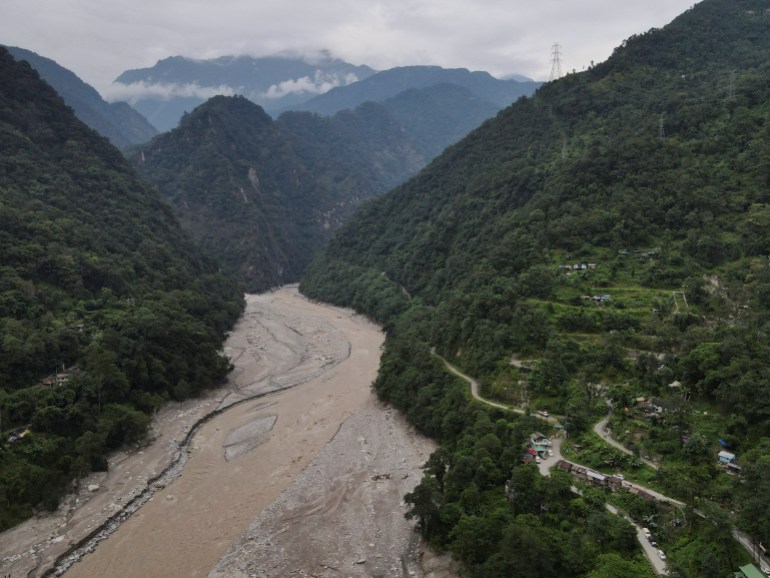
x=117, y=121
x=107, y=310
x=614, y=231
x=389, y=83
x=175, y=85
x=263, y=195
x=439, y=115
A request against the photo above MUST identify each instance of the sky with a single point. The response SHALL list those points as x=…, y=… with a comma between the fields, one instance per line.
x=99, y=39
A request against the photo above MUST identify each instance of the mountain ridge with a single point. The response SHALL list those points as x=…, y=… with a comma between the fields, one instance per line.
x=389, y=83
x=613, y=230
x=98, y=279
x=267, y=81
x=264, y=195
x=117, y=121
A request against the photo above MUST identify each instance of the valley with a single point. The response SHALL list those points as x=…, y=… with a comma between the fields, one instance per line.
x=299, y=410
x=595, y=256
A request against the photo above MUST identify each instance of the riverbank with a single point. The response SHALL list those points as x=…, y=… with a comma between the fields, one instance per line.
x=308, y=368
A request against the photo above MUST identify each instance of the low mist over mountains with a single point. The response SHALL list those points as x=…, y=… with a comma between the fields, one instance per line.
x=389, y=83
x=164, y=92
x=177, y=84
x=117, y=121
x=269, y=226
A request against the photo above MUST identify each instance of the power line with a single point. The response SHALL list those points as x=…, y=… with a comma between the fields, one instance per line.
x=555, y=62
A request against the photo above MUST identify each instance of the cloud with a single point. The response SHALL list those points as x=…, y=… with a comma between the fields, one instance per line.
x=320, y=84
x=499, y=36
x=141, y=90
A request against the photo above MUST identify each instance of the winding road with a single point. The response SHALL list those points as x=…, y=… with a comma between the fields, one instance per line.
x=549, y=462
x=600, y=429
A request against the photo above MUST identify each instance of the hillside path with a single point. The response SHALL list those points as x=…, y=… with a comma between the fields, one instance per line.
x=600, y=429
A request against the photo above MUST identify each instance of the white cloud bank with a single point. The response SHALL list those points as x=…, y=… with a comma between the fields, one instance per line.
x=319, y=85
x=98, y=40
x=142, y=90
x=131, y=93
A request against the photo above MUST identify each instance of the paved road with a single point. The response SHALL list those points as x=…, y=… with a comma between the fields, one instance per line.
x=547, y=464
x=600, y=429
x=658, y=565
x=745, y=541
x=649, y=550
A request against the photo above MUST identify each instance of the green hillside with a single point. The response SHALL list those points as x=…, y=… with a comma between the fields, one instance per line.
x=117, y=121
x=107, y=310
x=649, y=177
x=263, y=196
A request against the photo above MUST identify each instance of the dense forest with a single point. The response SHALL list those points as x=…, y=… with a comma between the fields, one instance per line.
x=263, y=196
x=116, y=120
x=613, y=231
x=107, y=309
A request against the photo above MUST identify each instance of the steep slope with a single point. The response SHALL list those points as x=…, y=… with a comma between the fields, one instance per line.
x=647, y=179
x=117, y=121
x=439, y=115
x=99, y=288
x=274, y=82
x=389, y=83
x=264, y=195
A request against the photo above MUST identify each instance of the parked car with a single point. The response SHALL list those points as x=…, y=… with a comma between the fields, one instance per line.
x=661, y=555
x=538, y=460
x=550, y=453
x=646, y=533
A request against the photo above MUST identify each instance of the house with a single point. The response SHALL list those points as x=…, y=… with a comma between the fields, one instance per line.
x=614, y=482
x=748, y=571
x=726, y=457
x=539, y=443
x=18, y=434
x=596, y=478
x=564, y=465
x=61, y=377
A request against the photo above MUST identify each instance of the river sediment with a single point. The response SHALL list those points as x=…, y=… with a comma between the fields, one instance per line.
x=296, y=423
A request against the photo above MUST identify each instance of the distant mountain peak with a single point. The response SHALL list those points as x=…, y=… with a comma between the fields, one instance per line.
x=177, y=84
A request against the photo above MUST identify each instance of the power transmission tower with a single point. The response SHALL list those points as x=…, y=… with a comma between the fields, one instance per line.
x=555, y=62
x=731, y=86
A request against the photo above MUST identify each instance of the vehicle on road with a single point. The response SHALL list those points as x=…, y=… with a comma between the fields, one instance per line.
x=550, y=453
x=646, y=533
x=661, y=555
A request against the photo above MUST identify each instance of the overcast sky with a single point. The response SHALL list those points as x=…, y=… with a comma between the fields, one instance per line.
x=99, y=39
